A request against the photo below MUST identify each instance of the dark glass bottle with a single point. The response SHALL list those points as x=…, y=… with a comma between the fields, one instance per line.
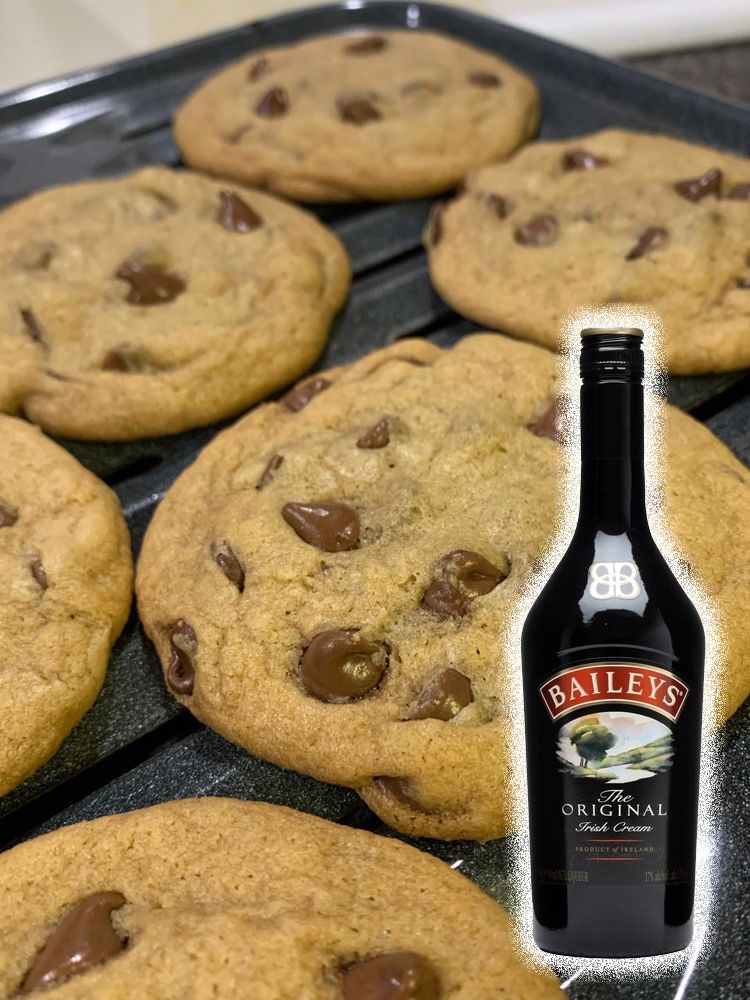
x=613, y=679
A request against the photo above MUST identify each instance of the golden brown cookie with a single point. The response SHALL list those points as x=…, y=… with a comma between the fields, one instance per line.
x=215, y=897
x=157, y=302
x=605, y=218
x=66, y=582
x=397, y=114
x=331, y=583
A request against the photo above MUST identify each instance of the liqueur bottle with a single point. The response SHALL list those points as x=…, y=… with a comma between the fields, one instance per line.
x=612, y=655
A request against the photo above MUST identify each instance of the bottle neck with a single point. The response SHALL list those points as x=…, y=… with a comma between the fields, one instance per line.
x=613, y=489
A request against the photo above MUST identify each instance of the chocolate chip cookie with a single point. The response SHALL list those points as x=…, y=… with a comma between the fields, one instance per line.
x=606, y=218
x=222, y=898
x=157, y=302
x=332, y=582
x=397, y=114
x=65, y=590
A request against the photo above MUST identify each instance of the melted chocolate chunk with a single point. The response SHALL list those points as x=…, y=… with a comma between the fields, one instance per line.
x=650, y=239
x=328, y=525
x=581, y=159
x=482, y=79
x=398, y=788
x=357, y=110
x=273, y=104
x=150, y=286
x=396, y=975
x=31, y=324
x=743, y=282
x=551, y=421
x=696, y=188
x=499, y=205
x=340, y=666
x=83, y=938
x=37, y=571
x=236, y=215
x=740, y=192
x=128, y=358
x=272, y=467
x=258, y=69
x=366, y=46
x=182, y=648
x=377, y=436
x=435, y=223
x=444, y=696
x=298, y=397
x=460, y=576
x=8, y=514
x=540, y=231
x=229, y=564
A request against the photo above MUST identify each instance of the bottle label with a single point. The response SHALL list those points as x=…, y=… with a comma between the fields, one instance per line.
x=614, y=755
x=603, y=683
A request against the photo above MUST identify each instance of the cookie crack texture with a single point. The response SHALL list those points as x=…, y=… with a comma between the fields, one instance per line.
x=459, y=504
x=159, y=315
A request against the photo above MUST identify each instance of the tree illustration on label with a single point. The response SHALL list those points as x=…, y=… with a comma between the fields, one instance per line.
x=641, y=747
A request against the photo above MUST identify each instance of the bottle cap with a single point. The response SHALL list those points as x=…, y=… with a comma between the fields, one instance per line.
x=612, y=353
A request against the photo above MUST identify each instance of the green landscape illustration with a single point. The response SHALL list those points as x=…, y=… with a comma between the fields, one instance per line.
x=615, y=747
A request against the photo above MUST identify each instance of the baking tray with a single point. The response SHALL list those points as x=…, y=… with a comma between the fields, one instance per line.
x=137, y=746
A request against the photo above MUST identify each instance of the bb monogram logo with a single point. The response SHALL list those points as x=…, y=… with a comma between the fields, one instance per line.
x=614, y=579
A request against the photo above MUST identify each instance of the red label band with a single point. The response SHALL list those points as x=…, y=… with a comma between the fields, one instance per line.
x=600, y=683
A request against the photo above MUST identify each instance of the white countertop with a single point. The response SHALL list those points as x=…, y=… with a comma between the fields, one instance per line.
x=43, y=38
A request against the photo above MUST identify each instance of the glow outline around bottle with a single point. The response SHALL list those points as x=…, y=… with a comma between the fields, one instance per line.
x=569, y=968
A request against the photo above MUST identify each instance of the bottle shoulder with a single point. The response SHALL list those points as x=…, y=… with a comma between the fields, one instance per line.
x=614, y=592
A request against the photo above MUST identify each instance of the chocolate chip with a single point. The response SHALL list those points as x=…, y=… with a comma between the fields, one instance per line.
x=357, y=110
x=482, y=79
x=581, y=159
x=499, y=205
x=37, y=571
x=398, y=788
x=273, y=104
x=328, y=525
x=150, y=286
x=8, y=514
x=551, y=421
x=36, y=256
x=236, y=215
x=272, y=466
x=182, y=647
x=444, y=696
x=396, y=975
x=367, y=45
x=461, y=576
x=696, y=188
x=339, y=666
x=229, y=564
x=435, y=223
x=298, y=397
x=258, y=69
x=377, y=436
x=740, y=192
x=539, y=231
x=129, y=358
x=650, y=239
x=83, y=938
x=743, y=282
x=32, y=326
